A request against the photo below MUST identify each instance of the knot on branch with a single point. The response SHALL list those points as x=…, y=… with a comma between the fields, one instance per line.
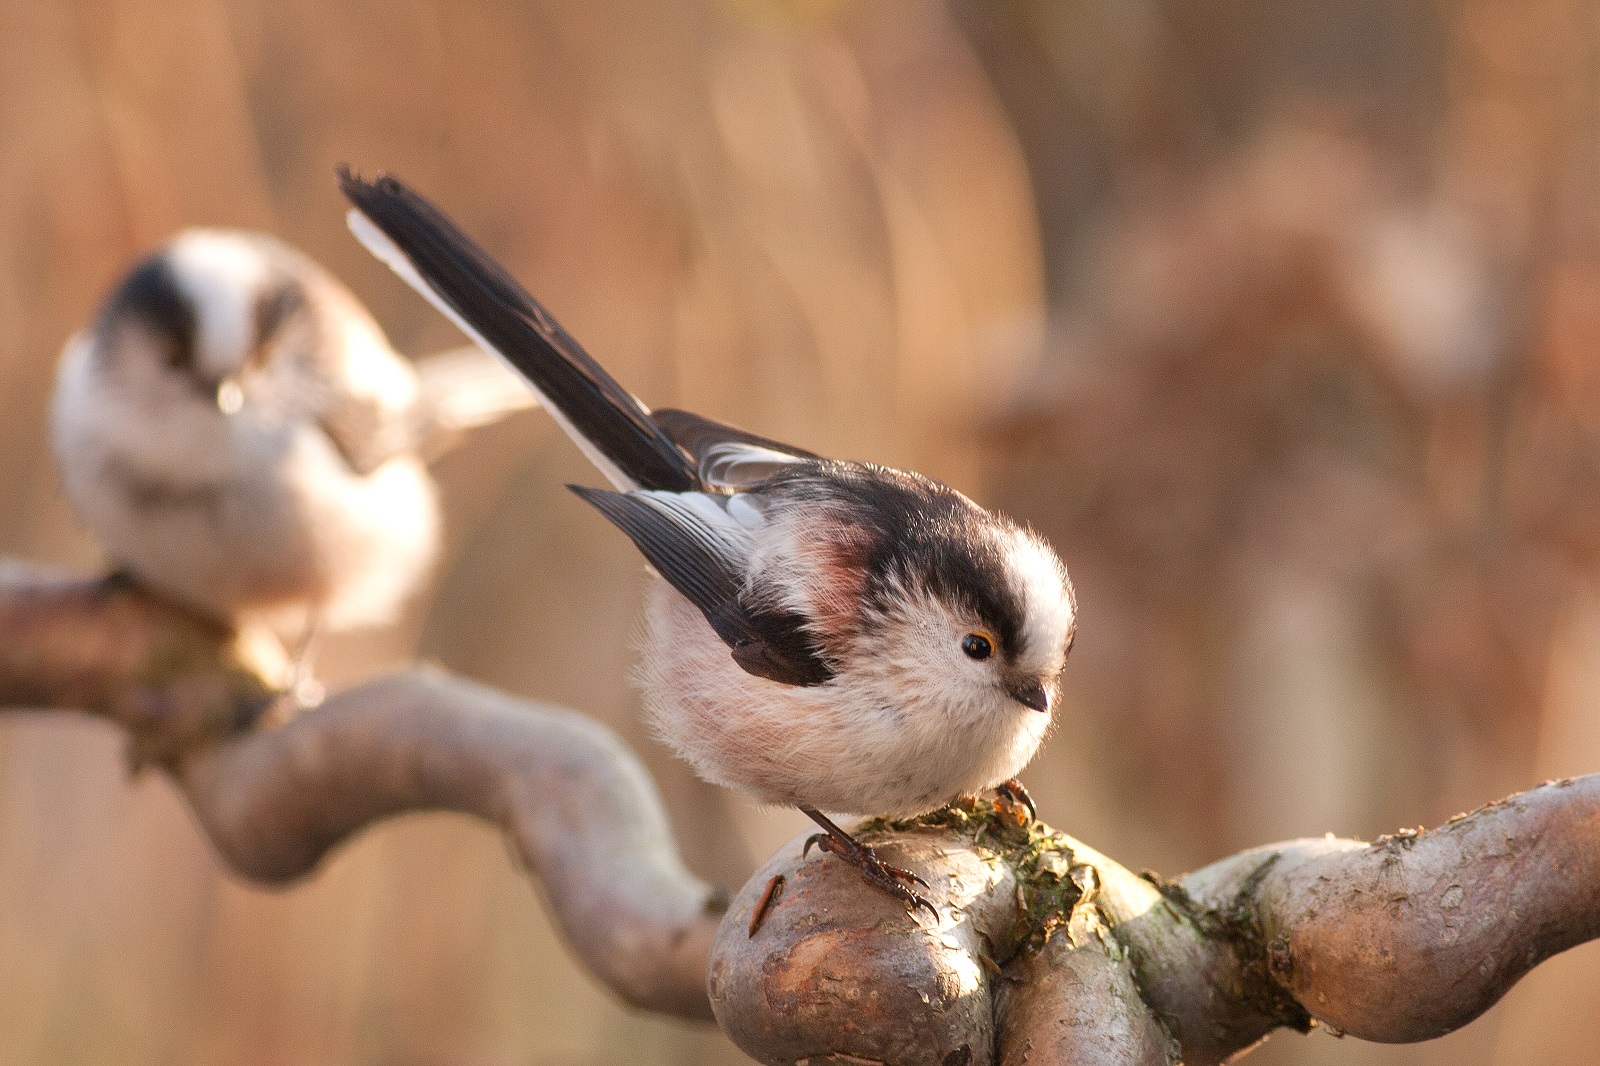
x=175, y=681
x=833, y=968
x=1262, y=964
x=1050, y=884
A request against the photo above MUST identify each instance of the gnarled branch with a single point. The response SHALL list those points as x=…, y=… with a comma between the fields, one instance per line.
x=1045, y=951
x=580, y=810
x=1049, y=952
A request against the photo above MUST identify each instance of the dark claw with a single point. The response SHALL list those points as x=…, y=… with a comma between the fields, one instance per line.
x=1014, y=796
x=882, y=875
x=907, y=875
x=873, y=869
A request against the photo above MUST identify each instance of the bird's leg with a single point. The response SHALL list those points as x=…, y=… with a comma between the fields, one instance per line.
x=1014, y=802
x=874, y=870
x=303, y=690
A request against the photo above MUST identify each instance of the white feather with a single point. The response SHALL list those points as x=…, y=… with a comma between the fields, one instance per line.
x=1049, y=609
x=737, y=465
x=890, y=735
x=746, y=512
x=221, y=275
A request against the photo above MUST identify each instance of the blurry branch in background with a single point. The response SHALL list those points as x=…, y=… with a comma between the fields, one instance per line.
x=1046, y=952
x=579, y=810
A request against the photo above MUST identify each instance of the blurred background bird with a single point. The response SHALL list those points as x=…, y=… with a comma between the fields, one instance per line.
x=237, y=432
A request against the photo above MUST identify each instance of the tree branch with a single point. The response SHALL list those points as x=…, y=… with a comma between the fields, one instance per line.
x=1046, y=951
x=1049, y=952
x=575, y=802
x=1415, y=935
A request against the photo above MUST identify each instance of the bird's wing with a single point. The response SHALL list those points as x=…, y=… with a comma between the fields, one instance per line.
x=433, y=256
x=728, y=458
x=460, y=390
x=363, y=432
x=700, y=544
x=301, y=317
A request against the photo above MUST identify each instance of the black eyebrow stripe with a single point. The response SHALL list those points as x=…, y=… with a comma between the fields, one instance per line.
x=151, y=293
x=918, y=532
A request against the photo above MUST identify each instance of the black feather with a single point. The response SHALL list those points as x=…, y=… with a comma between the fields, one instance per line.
x=781, y=650
x=690, y=563
x=917, y=532
x=767, y=643
x=150, y=293
x=520, y=329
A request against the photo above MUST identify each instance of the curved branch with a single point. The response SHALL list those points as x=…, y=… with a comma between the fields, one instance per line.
x=577, y=805
x=1049, y=952
x=1417, y=934
x=1045, y=951
x=580, y=809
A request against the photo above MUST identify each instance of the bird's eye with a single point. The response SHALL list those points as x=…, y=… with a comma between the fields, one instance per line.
x=977, y=646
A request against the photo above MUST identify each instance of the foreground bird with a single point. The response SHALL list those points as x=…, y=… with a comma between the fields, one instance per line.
x=239, y=435
x=833, y=636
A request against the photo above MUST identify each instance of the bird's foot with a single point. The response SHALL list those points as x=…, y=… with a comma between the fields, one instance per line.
x=1013, y=801
x=298, y=696
x=307, y=693
x=874, y=870
x=301, y=690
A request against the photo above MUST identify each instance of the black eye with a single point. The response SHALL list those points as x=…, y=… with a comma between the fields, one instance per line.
x=977, y=645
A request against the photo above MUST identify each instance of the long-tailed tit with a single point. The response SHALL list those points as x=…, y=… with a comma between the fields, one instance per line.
x=833, y=636
x=239, y=435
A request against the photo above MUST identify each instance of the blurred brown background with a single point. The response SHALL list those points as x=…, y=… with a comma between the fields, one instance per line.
x=1282, y=319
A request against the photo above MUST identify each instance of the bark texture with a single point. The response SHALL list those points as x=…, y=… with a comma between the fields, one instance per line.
x=1045, y=951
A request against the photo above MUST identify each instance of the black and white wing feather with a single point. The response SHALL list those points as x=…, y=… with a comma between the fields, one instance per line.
x=728, y=458
x=433, y=256
x=683, y=477
x=700, y=544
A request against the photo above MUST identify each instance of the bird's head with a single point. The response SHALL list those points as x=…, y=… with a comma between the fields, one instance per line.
x=210, y=309
x=951, y=603
x=986, y=620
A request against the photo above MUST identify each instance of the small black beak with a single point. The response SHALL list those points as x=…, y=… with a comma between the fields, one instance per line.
x=1031, y=694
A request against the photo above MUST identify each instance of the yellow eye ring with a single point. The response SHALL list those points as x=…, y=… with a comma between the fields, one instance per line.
x=978, y=645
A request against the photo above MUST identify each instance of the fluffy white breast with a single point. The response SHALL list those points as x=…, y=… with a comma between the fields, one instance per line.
x=883, y=737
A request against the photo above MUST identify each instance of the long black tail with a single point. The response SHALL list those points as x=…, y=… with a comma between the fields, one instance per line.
x=441, y=262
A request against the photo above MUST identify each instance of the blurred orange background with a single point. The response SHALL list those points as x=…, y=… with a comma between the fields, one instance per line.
x=1280, y=319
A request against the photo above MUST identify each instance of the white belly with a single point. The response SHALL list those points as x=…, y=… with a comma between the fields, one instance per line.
x=235, y=519
x=832, y=747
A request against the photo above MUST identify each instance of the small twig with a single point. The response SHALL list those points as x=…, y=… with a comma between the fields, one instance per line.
x=769, y=896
